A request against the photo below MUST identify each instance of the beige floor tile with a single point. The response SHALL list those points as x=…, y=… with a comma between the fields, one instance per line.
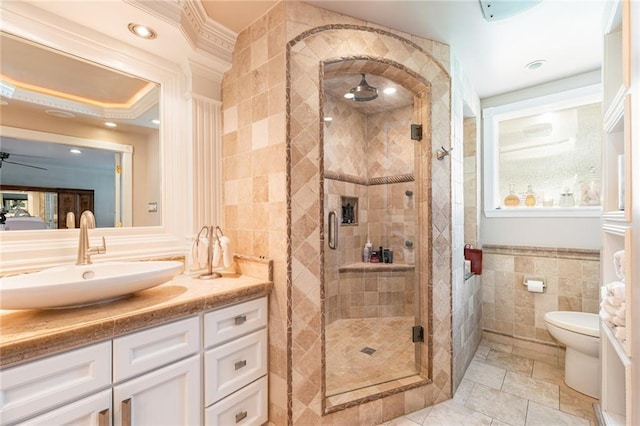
x=479, y=372
x=463, y=391
x=419, y=416
x=547, y=372
x=494, y=391
x=452, y=413
x=510, y=362
x=576, y=403
x=539, y=391
x=349, y=368
x=540, y=415
x=507, y=408
x=482, y=351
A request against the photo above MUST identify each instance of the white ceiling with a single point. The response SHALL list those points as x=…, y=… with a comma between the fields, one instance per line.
x=566, y=33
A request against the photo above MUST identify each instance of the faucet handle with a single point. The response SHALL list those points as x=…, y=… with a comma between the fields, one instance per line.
x=102, y=248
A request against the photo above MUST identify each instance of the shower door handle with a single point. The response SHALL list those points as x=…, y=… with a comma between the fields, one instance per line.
x=333, y=230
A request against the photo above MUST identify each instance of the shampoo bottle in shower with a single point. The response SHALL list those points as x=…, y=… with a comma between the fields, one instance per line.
x=366, y=253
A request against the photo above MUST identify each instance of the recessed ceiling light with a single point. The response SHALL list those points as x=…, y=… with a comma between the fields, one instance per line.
x=110, y=124
x=534, y=65
x=142, y=31
x=59, y=114
x=389, y=90
x=75, y=151
x=155, y=121
x=349, y=95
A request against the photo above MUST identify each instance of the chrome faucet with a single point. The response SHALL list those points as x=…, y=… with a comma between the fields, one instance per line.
x=87, y=221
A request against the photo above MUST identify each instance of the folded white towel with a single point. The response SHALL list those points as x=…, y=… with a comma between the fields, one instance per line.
x=618, y=264
x=622, y=311
x=607, y=305
x=619, y=321
x=225, y=244
x=606, y=317
x=203, y=252
x=616, y=289
x=621, y=333
x=215, y=260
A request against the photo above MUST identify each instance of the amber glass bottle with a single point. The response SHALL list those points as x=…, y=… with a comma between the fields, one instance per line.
x=512, y=200
x=530, y=201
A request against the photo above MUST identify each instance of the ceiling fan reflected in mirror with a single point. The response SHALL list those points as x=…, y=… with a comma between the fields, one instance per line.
x=4, y=156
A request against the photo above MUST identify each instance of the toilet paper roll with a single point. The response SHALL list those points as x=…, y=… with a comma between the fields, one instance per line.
x=535, y=286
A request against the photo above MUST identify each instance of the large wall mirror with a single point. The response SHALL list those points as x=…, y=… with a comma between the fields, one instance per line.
x=75, y=135
x=140, y=203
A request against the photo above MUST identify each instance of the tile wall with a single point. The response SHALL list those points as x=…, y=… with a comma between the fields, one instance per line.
x=272, y=192
x=571, y=276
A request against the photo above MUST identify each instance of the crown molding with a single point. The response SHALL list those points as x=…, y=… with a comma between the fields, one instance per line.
x=206, y=35
x=148, y=101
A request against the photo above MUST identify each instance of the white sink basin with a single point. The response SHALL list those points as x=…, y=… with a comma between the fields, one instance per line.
x=73, y=285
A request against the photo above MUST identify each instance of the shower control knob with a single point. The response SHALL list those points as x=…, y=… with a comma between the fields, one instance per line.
x=408, y=243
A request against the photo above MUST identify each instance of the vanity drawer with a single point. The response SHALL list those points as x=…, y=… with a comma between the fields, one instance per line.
x=146, y=350
x=39, y=386
x=229, y=367
x=225, y=324
x=246, y=407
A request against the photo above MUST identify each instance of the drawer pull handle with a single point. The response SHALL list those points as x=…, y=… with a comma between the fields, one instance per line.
x=241, y=416
x=240, y=319
x=126, y=412
x=103, y=417
x=240, y=364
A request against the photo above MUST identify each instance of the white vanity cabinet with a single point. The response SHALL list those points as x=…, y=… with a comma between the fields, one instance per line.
x=235, y=364
x=156, y=375
x=58, y=381
x=211, y=365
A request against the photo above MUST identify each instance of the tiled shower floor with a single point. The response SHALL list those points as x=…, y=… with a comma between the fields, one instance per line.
x=501, y=387
x=352, y=367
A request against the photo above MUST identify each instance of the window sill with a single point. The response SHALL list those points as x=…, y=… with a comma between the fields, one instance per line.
x=545, y=212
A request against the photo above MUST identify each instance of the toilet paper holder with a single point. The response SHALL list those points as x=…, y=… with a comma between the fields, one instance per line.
x=526, y=281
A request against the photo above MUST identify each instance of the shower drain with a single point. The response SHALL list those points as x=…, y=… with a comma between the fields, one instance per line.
x=367, y=350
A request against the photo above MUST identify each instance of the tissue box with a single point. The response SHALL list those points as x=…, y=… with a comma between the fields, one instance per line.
x=475, y=256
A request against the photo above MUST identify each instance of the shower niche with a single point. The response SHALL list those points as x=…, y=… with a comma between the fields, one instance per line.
x=349, y=211
x=371, y=310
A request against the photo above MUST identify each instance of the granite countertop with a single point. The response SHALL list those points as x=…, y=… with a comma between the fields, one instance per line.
x=29, y=334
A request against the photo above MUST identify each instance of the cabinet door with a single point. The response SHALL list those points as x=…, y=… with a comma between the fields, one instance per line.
x=93, y=410
x=168, y=396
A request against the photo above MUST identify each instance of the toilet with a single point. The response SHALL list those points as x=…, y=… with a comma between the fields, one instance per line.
x=580, y=333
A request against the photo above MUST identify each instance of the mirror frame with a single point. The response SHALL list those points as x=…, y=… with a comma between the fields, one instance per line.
x=26, y=251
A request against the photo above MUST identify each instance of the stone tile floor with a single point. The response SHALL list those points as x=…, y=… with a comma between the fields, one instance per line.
x=392, y=355
x=508, y=386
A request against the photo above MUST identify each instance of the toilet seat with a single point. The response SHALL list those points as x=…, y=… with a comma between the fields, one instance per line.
x=579, y=322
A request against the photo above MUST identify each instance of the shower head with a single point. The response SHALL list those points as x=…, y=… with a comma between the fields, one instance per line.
x=363, y=92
